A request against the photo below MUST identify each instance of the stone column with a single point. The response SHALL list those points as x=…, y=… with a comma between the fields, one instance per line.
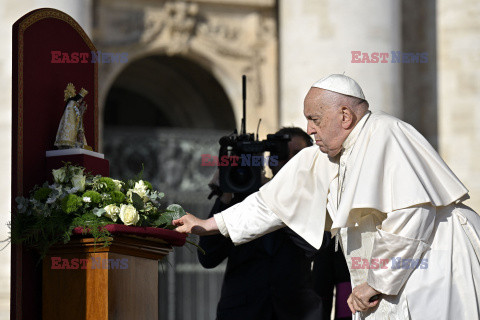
x=459, y=91
x=317, y=38
x=419, y=80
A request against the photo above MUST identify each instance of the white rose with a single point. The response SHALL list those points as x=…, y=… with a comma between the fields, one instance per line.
x=112, y=212
x=78, y=181
x=128, y=214
x=59, y=175
x=141, y=189
x=87, y=199
x=118, y=184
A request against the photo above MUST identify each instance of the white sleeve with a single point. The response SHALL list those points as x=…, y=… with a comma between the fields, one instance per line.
x=247, y=220
x=402, y=239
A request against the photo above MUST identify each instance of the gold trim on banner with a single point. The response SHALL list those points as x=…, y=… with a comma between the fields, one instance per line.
x=36, y=16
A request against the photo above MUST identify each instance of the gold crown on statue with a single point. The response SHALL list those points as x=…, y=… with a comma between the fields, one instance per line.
x=83, y=92
x=69, y=92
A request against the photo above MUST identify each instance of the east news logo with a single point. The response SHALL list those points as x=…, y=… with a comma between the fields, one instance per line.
x=96, y=263
x=88, y=57
x=396, y=57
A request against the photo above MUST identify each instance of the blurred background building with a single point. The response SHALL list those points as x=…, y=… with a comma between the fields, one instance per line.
x=180, y=90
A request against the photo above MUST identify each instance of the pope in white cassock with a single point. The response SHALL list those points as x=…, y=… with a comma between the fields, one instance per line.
x=388, y=198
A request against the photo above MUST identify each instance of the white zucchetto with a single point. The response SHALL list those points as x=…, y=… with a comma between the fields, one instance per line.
x=340, y=83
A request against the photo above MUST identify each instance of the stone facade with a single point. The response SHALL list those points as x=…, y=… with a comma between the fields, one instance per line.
x=458, y=79
x=317, y=39
x=227, y=38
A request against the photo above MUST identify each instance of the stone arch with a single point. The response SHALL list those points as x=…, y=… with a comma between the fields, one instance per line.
x=167, y=91
x=162, y=113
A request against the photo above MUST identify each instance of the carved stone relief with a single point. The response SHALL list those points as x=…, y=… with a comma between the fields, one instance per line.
x=230, y=40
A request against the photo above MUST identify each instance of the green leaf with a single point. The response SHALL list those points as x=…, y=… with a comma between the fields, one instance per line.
x=99, y=211
x=130, y=184
x=156, y=196
x=142, y=222
x=137, y=201
x=177, y=211
x=163, y=220
x=173, y=212
x=40, y=219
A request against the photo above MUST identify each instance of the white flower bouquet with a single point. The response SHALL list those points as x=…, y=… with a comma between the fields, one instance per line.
x=78, y=199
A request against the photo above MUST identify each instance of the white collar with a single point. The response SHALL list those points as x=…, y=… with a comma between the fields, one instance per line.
x=352, y=137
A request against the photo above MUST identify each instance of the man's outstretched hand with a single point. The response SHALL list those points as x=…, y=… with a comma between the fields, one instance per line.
x=191, y=224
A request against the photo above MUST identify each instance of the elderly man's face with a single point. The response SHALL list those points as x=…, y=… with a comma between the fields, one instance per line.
x=324, y=121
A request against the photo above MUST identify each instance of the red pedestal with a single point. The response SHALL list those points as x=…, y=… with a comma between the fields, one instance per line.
x=93, y=165
x=37, y=107
x=171, y=237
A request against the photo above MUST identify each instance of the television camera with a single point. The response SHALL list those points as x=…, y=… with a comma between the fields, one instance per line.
x=241, y=156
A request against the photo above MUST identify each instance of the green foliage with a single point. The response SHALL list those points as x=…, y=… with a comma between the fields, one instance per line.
x=52, y=211
x=130, y=184
x=177, y=210
x=42, y=194
x=40, y=232
x=173, y=212
x=71, y=203
x=114, y=197
x=91, y=224
x=117, y=197
x=104, y=184
x=137, y=201
x=94, y=196
x=149, y=185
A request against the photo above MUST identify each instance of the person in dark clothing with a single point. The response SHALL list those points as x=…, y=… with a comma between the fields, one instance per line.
x=268, y=278
x=330, y=270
